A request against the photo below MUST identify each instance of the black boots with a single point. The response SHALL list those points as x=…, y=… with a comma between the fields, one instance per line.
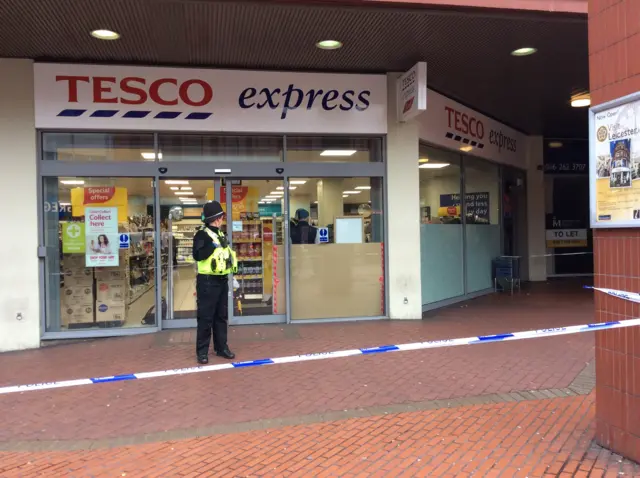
x=226, y=353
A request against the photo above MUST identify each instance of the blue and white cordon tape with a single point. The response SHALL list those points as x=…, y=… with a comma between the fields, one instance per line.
x=432, y=344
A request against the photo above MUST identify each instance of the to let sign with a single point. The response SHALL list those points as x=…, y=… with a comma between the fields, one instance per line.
x=566, y=238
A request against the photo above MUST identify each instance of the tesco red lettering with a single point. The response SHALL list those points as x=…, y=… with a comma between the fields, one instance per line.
x=464, y=123
x=134, y=90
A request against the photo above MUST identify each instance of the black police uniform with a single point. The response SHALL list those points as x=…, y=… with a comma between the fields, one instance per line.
x=212, y=292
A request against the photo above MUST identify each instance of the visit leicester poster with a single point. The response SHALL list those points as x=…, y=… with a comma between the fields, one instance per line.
x=617, y=166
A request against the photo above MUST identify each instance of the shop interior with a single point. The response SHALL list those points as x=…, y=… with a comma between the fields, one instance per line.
x=125, y=295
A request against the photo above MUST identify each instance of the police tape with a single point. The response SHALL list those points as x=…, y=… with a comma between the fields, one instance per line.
x=431, y=344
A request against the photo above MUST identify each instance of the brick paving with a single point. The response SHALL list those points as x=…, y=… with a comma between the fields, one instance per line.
x=243, y=395
x=305, y=406
x=513, y=439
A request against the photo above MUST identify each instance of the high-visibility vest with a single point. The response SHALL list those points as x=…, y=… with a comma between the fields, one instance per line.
x=222, y=261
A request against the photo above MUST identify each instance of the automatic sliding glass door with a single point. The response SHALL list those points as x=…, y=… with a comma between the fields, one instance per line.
x=255, y=227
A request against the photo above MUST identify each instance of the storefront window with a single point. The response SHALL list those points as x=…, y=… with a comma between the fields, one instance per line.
x=195, y=147
x=441, y=235
x=124, y=147
x=482, y=222
x=333, y=149
x=100, y=263
x=337, y=248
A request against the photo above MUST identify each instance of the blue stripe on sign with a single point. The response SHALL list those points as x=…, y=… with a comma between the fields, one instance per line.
x=115, y=378
x=603, y=324
x=198, y=116
x=103, y=113
x=489, y=338
x=136, y=114
x=377, y=350
x=252, y=363
x=72, y=113
x=168, y=115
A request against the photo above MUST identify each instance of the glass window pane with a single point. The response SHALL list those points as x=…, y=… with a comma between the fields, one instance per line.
x=196, y=147
x=100, y=267
x=97, y=147
x=333, y=149
x=482, y=189
x=441, y=253
x=337, y=249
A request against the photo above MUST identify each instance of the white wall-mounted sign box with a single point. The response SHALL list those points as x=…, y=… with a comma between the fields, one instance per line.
x=412, y=92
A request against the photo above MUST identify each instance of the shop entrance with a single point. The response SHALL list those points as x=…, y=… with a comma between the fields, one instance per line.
x=255, y=228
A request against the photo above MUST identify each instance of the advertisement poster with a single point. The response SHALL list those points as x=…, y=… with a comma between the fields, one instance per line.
x=102, y=240
x=104, y=196
x=615, y=163
x=73, y=240
x=477, y=205
x=243, y=199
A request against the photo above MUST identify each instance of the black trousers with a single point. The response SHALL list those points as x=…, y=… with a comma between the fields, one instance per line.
x=213, y=313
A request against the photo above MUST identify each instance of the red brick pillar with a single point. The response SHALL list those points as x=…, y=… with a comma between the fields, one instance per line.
x=614, y=70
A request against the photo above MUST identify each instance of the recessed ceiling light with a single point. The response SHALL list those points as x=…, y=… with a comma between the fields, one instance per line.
x=345, y=195
x=276, y=193
x=433, y=165
x=329, y=44
x=150, y=155
x=466, y=149
x=298, y=181
x=555, y=144
x=173, y=181
x=174, y=188
x=72, y=182
x=185, y=188
x=105, y=35
x=351, y=192
x=581, y=100
x=364, y=188
x=183, y=193
x=423, y=160
x=338, y=152
x=525, y=51
x=291, y=188
x=280, y=188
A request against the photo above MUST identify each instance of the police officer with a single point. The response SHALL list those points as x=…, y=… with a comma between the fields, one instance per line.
x=216, y=260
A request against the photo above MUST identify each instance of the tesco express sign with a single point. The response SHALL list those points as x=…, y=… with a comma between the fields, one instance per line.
x=93, y=97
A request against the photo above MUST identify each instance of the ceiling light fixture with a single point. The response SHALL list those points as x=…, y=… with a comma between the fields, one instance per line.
x=102, y=34
x=351, y=192
x=183, y=193
x=363, y=188
x=150, y=155
x=72, y=182
x=525, y=51
x=345, y=195
x=185, y=188
x=433, y=165
x=581, y=100
x=555, y=144
x=174, y=188
x=338, y=152
x=276, y=193
x=298, y=181
x=423, y=160
x=173, y=181
x=466, y=149
x=329, y=44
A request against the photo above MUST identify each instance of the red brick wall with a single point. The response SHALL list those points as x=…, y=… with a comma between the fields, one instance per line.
x=614, y=69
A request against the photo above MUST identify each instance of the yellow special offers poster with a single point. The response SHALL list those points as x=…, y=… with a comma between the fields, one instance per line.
x=617, y=166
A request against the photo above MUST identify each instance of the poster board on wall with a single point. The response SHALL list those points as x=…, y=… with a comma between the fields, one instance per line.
x=349, y=230
x=614, y=163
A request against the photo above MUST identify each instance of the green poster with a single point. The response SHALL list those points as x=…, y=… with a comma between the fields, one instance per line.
x=73, y=241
